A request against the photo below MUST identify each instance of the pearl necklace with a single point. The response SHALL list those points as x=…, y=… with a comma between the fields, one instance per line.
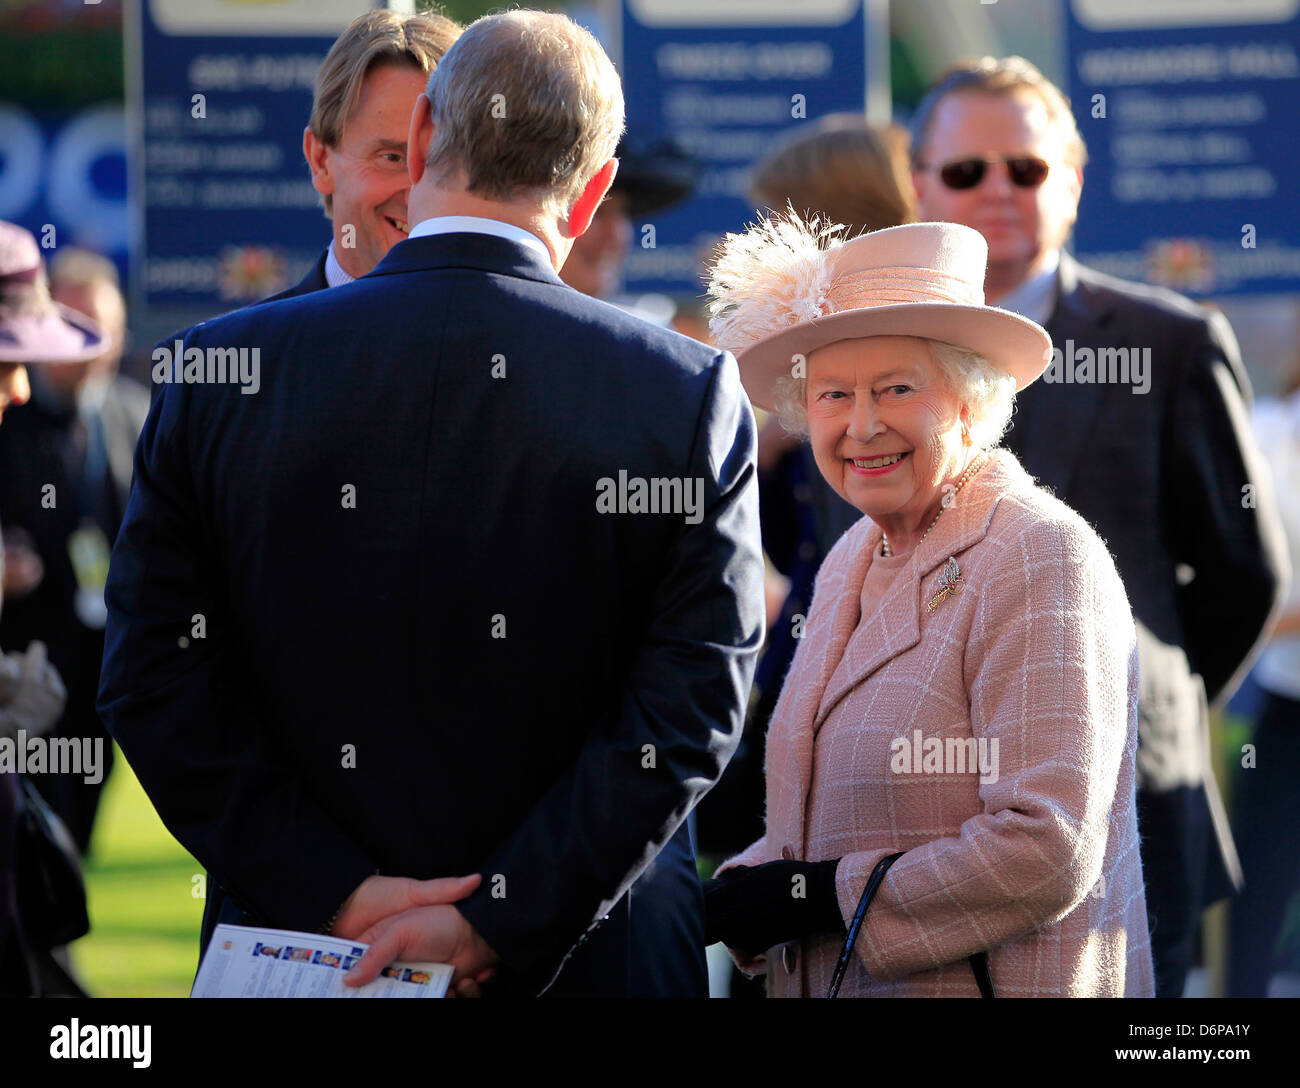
x=971, y=469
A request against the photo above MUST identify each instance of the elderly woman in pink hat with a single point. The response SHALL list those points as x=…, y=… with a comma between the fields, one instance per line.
x=950, y=768
x=33, y=329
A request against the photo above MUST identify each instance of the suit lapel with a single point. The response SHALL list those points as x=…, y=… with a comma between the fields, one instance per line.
x=790, y=739
x=1057, y=416
x=872, y=640
x=315, y=280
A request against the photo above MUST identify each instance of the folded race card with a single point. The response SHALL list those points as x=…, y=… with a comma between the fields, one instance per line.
x=246, y=961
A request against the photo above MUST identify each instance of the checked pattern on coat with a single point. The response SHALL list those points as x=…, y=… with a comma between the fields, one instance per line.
x=1035, y=661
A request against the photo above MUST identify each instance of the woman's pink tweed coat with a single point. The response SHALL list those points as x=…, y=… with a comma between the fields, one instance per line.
x=1039, y=863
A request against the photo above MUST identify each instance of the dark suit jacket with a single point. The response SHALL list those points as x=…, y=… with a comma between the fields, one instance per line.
x=471, y=668
x=314, y=280
x=660, y=921
x=1162, y=476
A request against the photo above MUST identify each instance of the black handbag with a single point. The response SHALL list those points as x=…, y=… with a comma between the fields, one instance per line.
x=51, y=892
x=979, y=962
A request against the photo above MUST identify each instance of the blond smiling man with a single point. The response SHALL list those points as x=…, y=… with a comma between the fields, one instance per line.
x=355, y=141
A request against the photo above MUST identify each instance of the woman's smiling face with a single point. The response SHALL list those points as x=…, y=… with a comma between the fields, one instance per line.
x=885, y=428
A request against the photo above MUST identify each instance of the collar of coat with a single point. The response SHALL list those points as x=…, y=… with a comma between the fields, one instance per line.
x=465, y=249
x=848, y=651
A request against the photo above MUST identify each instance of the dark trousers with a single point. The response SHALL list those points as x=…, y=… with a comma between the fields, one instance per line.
x=1266, y=819
x=1175, y=831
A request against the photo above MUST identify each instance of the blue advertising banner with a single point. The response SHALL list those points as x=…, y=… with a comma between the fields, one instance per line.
x=223, y=93
x=63, y=177
x=63, y=126
x=1189, y=109
x=726, y=80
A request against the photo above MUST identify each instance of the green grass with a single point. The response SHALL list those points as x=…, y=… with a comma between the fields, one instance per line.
x=144, y=918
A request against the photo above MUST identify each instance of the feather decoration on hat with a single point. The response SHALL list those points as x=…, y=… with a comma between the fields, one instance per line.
x=774, y=275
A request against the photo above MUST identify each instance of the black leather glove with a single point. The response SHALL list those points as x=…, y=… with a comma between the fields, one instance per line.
x=753, y=907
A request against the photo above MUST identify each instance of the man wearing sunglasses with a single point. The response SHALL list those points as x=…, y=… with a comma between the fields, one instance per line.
x=1158, y=463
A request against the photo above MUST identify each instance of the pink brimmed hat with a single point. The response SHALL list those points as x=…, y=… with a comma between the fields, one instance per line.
x=33, y=327
x=787, y=287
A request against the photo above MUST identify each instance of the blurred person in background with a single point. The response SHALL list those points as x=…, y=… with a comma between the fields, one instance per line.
x=653, y=176
x=355, y=141
x=77, y=435
x=1157, y=463
x=843, y=168
x=855, y=174
x=1266, y=807
x=33, y=330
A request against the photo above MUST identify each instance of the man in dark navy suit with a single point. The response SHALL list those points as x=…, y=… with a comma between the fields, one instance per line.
x=1153, y=448
x=470, y=583
x=355, y=141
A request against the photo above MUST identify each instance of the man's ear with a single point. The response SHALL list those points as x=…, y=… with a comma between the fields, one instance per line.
x=584, y=208
x=419, y=139
x=919, y=175
x=315, y=152
x=1072, y=187
x=1076, y=185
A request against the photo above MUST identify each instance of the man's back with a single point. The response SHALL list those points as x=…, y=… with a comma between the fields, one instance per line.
x=1139, y=425
x=439, y=634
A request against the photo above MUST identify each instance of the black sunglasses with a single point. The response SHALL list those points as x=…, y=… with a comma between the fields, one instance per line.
x=1025, y=171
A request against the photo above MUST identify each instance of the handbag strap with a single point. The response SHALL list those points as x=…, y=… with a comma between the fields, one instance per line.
x=979, y=961
x=864, y=901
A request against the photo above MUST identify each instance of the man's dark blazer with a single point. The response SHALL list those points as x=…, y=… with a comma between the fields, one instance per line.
x=427, y=651
x=314, y=280
x=661, y=918
x=1169, y=480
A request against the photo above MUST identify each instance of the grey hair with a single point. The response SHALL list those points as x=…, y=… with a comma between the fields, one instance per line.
x=526, y=103
x=988, y=392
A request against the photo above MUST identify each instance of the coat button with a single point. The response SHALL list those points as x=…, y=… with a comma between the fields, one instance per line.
x=790, y=958
x=787, y=853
